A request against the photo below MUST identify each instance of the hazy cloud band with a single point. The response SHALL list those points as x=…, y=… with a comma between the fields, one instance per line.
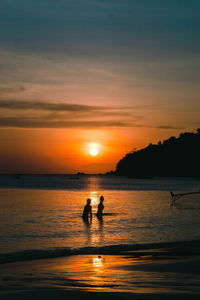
x=10, y=104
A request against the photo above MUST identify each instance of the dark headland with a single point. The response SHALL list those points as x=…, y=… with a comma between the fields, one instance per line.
x=174, y=157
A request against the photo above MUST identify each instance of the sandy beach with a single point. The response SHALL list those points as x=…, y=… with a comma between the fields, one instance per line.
x=148, y=276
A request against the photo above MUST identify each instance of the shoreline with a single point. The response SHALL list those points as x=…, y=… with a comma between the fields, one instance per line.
x=170, y=249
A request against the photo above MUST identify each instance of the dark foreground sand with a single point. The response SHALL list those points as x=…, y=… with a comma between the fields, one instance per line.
x=106, y=276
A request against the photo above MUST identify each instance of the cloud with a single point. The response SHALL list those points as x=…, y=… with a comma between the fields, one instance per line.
x=56, y=107
x=34, y=114
x=48, y=122
x=45, y=123
x=40, y=114
x=11, y=89
x=169, y=127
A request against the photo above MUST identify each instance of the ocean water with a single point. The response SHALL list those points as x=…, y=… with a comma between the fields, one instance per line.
x=40, y=216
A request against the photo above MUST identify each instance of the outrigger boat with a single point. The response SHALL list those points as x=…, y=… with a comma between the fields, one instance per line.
x=179, y=195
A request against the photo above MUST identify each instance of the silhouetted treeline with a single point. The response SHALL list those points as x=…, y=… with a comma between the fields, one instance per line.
x=172, y=157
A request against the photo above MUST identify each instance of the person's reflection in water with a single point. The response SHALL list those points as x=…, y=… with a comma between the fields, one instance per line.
x=87, y=230
x=100, y=219
x=100, y=229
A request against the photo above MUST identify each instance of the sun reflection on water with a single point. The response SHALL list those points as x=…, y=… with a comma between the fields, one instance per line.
x=94, y=198
x=101, y=272
x=98, y=261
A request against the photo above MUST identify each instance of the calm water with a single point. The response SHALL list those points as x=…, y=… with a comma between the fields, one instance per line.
x=138, y=212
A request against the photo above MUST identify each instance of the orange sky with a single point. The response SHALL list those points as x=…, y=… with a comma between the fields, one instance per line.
x=67, y=151
x=122, y=74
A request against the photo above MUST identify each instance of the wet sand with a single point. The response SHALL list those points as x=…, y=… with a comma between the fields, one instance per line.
x=147, y=276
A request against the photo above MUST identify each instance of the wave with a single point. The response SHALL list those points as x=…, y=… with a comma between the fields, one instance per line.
x=168, y=249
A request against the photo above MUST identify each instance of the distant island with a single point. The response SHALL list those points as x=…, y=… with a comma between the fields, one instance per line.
x=176, y=157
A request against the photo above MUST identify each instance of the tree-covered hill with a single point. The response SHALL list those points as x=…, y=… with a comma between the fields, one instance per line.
x=172, y=157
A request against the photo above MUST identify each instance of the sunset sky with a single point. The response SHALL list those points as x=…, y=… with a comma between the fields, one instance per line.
x=116, y=73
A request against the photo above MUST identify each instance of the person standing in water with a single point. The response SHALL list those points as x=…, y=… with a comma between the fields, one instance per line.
x=100, y=208
x=87, y=211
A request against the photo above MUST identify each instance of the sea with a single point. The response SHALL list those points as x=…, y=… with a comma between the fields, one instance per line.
x=40, y=215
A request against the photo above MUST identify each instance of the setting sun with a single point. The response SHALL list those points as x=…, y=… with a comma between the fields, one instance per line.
x=93, y=149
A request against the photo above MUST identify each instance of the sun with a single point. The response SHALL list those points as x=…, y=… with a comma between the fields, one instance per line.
x=93, y=149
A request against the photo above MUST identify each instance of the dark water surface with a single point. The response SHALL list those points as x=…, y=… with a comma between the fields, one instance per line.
x=42, y=214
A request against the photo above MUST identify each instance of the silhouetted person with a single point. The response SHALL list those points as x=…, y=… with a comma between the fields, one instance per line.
x=87, y=211
x=100, y=208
